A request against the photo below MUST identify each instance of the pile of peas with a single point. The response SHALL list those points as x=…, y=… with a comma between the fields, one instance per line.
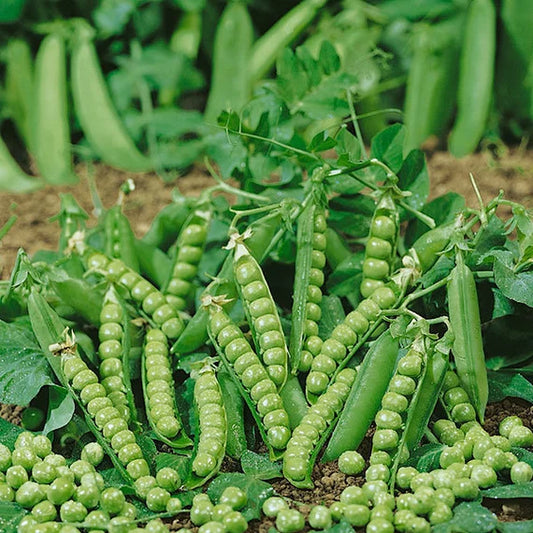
x=236, y=350
x=151, y=300
x=344, y=336
x=189, y=249
x=315, y=422
x=311, y=341
x=262, y=313
x=159, y=397
x=61, y=497
x=110, y=350
x=212, y=421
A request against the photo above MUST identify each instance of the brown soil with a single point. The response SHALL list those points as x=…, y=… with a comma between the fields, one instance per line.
x=512, y=173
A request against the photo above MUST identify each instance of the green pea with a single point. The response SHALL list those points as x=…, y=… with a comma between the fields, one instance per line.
x=289, y=521
x=521, y=472
x=385, y=439
x=320, y=517
x=383, y=227
x=356, y=515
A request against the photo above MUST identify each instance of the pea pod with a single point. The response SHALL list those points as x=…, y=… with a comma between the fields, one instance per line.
x=262, y=314
x=119, y=238
x=19, y=86
x=98, y=118
x=269, y=46
x=230, y=81
x=256, y=387
x=264, y=233
x=213, y=426
x=365, y=396
x=51, y=132
x=236, y=437
x=154, y=264
x=50, y=333
x=71, y=218
x=188, y=252
x=430, y=244
x=309, y=436
x=159, y=391
x=380, y=247
x=465, y=323
x=310, y=260
x=476, y=75
x=12, y=178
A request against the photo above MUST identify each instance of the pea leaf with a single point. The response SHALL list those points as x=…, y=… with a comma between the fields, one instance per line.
x=523, y=455
x=256, y=490
x=413, y=177
x=23, y=368
x=11, y=514
x=113, y=478
x=177, y=462
x=8, y=434
x=341, y=527
x=387, y=146
x=332, y=314
x=60, y=408
x=426, y=458
x=469, y=517
x=516, y=286
x=522, y=490
x=505, y=384
x=259, y=465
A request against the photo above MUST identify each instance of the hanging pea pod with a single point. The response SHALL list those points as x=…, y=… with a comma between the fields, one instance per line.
x=230, y=80
x=305, y=342
x=476, y=75
x=463, y=307
x=12, y=178
x=119, y=238
x=159, y=391
x=51, y=131
x=210, y=446
x=188, y=252
x=255, y=385
x=98, y=118
x=380, y=247
x=309, y=436
x=19, y=87
x=364, y=400
x=269, y=46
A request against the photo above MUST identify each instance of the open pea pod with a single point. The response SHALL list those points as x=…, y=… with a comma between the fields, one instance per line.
x=159, y=392
x=211, y=437
x=49, y=330
x=264, y=234
x=365, y=396
x=463, y=307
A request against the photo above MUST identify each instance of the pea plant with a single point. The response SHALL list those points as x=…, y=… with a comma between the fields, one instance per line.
x=337, y=317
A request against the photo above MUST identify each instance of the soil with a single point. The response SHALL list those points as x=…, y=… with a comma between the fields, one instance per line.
x=511, y=172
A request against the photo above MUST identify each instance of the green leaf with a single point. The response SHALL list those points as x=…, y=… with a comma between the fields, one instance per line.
x=9, y=433
x=332, y=314
x=341, y=527
x=11, y=514
x=387, y=146
x=11, y=10
x=508, y=384
x=413, y=177
x=516, y=286
x=23, y=368
x=113, y=478
x=426, y=458
x=256, y=490
x=60, y=408
x=524, y=526
x=522, y=490
x=111, y=16
x=469, y=517
x=259, y=465
x=523, y=455
x=179, y=463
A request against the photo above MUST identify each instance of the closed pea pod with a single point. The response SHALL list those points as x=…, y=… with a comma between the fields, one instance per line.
x=463, y=307
x=120, y=238
x=365, y=396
